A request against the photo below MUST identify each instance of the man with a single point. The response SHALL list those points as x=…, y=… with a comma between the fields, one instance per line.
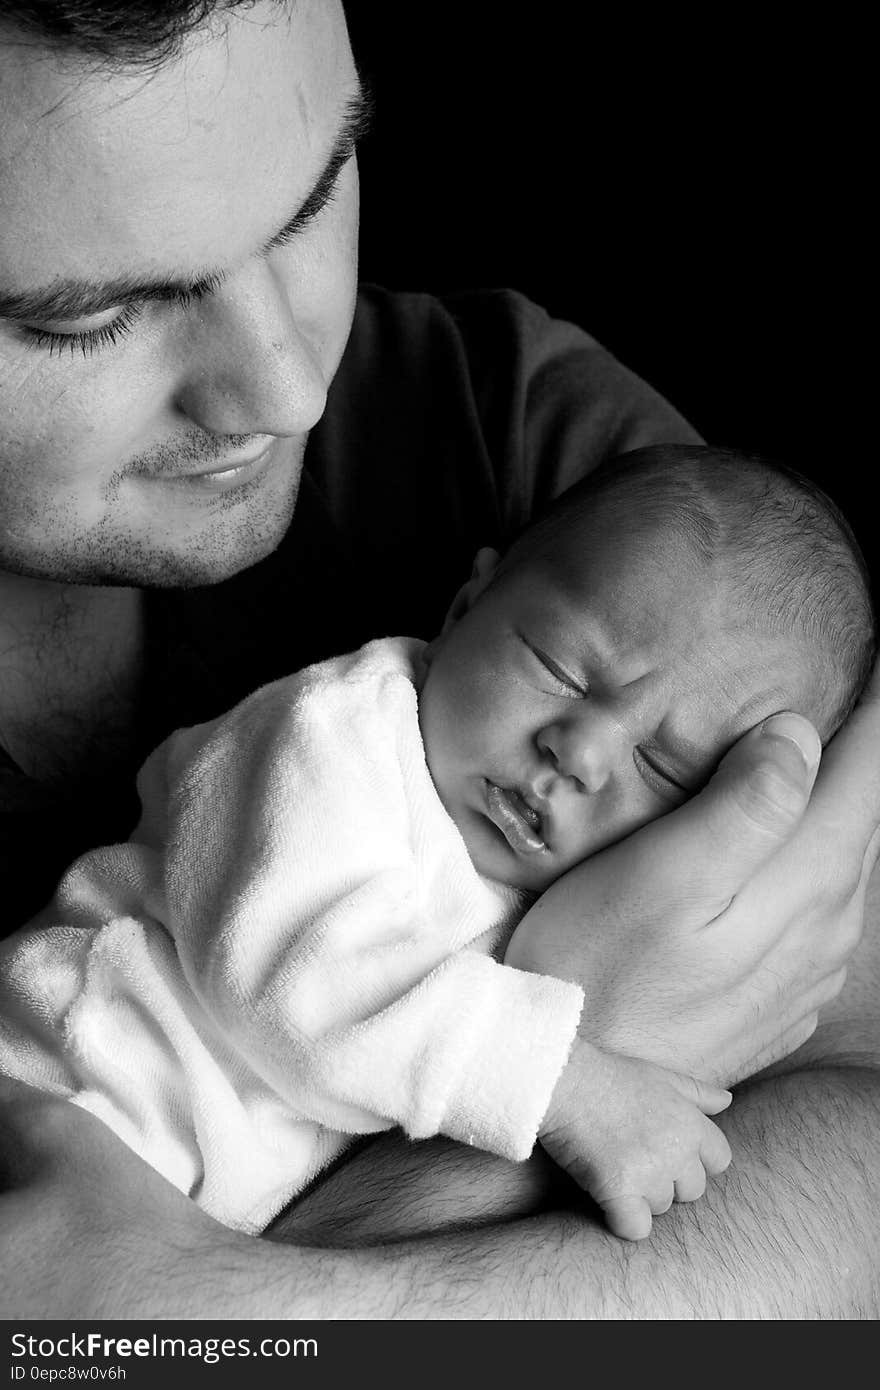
x=177, y=283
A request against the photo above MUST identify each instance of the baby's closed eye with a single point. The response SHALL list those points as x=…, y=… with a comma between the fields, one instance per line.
x=659, y=776
x=561, y=680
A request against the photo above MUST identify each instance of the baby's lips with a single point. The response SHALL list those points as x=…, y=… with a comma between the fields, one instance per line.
x=512, y=823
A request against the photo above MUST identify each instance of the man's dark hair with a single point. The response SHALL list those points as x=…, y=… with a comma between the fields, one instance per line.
x=785, y=552
x=119, y=32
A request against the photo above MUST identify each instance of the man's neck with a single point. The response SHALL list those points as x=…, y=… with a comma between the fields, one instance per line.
x=70, y=664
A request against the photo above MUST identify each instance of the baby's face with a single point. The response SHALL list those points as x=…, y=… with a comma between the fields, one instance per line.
x=579, y=697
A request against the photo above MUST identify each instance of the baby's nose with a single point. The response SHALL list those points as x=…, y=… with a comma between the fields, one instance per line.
x=585, y=750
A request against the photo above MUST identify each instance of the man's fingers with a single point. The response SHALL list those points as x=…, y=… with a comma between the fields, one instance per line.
x=783, y=1047
x=869, y=862
x=716, y=842
x=627, y=1217
x=848, y=789
x=710, y=1099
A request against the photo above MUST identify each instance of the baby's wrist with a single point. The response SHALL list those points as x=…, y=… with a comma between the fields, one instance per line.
x=573, y=1093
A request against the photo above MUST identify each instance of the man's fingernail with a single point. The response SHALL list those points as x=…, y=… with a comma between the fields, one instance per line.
x=798, y=732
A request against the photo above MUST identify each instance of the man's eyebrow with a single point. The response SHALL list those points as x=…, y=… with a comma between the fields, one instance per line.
x=356, y=123
x=73, y=299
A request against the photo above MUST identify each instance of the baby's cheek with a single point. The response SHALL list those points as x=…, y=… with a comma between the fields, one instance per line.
x=639, y=810
x=480, y=718
x=605, y=818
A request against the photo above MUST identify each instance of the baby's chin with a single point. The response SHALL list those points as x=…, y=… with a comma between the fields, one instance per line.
x=493, y=858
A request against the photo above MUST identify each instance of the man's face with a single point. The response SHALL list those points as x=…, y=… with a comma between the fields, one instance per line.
x=582, y=695
x=151, y=435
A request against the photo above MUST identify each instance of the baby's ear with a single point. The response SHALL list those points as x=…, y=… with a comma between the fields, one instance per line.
x=485, y=564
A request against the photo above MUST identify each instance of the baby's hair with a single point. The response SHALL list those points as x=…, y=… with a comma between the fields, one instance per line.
x=787, y=555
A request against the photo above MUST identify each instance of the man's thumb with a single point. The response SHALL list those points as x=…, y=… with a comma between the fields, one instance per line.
x=719, y=839
x=761, y=790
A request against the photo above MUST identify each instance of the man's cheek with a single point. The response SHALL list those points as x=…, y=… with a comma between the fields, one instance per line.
x=18, y=371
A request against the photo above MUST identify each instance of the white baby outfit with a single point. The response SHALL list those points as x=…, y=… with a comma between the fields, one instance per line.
x=293, y=948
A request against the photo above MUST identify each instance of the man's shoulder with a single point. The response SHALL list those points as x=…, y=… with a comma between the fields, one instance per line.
x=535, y=395
x=494, y=330
x=500, y=307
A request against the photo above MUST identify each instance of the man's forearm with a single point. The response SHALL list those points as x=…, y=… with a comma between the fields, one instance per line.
x=791, y=1231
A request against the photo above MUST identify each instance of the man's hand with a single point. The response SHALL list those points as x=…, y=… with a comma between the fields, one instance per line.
x=708, y=941
x=634, y=1136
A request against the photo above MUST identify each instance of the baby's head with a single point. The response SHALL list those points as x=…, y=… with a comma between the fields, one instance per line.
x=592, y=679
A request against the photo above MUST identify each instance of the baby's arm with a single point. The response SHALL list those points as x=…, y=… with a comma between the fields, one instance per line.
x=634, y=1135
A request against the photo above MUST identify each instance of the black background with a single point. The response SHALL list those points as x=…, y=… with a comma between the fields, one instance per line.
x=693, y=192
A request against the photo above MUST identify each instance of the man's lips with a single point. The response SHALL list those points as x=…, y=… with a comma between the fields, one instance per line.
x=232, y=465
x=519, y=823
x=221, y=475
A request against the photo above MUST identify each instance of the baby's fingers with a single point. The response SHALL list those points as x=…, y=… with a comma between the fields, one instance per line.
x=714, y=1150
x=710, y=1099
x=691, y=1185
x=627, y=1217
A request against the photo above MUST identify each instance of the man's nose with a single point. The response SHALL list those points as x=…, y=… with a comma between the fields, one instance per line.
x=585, y=748
x=252, y=369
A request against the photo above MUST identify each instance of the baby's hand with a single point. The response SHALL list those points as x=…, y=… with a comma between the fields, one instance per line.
x=634, y=1135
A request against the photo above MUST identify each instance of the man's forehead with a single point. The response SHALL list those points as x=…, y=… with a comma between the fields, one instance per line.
x=104, y=173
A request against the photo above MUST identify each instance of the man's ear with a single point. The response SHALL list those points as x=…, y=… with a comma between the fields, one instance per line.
x=485, y=564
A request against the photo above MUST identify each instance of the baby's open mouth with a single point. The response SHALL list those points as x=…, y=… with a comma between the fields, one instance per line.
x=519, y=823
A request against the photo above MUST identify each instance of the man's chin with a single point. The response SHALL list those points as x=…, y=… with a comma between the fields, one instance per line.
x=228, y=545
x=193, y=572
x=245, y=529
x=217, y=557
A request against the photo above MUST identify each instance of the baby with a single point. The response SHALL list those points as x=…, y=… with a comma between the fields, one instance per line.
x=301, y=940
